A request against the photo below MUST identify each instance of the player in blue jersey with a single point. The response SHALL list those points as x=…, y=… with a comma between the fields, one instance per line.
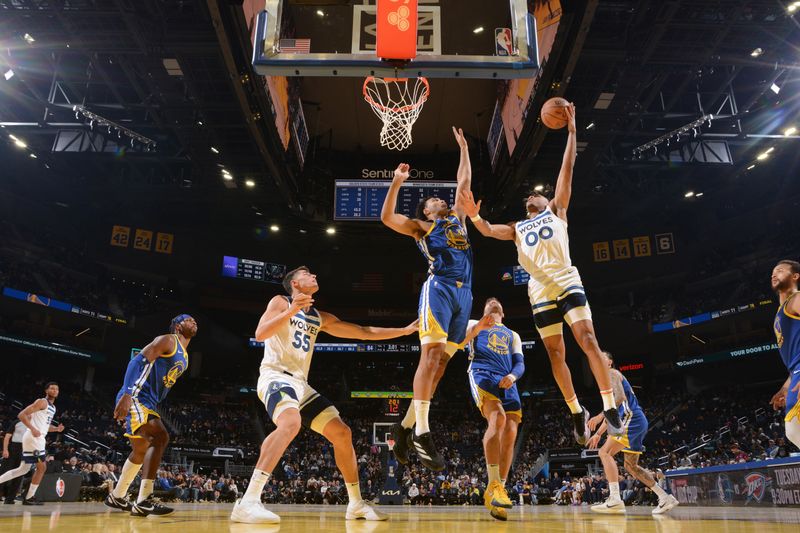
x=445, y=300
x=634, y=427
x=785, y=277
x=148, y=379
x=495, y=365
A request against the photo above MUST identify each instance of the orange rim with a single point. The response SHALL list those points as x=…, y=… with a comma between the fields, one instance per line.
x=403, y=109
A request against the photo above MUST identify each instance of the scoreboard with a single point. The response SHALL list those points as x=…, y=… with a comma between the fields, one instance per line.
x=362, y=200
x=236, y=267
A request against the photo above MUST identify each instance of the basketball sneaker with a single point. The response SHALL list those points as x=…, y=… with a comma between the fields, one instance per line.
x=253, y=512
x=670, y=502
x=613, y=424
x=122, y=504
x=31, y=501
x=498, y=513
x=610, y=506
x=150, y=507
x=496, y=496
x=401, y=438
x=361, y=509
x=581, y=430
x=426, y=450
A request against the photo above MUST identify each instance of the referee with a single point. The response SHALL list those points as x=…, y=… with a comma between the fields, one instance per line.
x=12, y=457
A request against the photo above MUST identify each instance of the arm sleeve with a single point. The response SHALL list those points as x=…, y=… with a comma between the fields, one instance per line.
x=132, y=374
x=517, y=358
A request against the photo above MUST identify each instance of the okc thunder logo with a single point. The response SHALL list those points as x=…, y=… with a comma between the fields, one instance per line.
x=456, y=236
x=60, y=486
x=173, y=374
x=756, y=486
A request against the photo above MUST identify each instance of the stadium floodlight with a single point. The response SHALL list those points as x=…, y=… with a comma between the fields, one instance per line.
x=9, y=74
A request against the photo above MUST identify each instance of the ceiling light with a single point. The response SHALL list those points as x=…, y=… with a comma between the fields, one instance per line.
x=539, y=188
x=769, y=150
x=274, y=228
x=689, y=194
x=250, y=183
x=793, y=7
x=33, y=156
x=303, y=231
x=762, y=156
x=9, y=74
x=590, y=126
x=751, y=167
x=320, y=13
x=775, y=88
x=214, y=149
x=29, y=38
x=757, y=52
x=790, y=131
x=227, y=177
x=20, y=143
x=331, y=230
x=477, y=30
x=199, y=122
x=698, y=195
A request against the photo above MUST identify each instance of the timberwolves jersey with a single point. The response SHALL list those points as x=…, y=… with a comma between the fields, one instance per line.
x=543, y=249
x=291, y=347
x=631, y=404
x=787, y=333
x=42, y=419
x=448, y=251
x=157, y=378
x=492, y=349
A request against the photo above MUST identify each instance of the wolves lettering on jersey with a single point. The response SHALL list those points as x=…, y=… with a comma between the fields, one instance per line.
x=446, y=247
x=291, y=347
x=543, y=247
x=787, y=335
x=491, y=349
x=157, y=378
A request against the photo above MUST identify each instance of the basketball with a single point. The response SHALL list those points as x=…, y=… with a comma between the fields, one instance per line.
x=553, y=115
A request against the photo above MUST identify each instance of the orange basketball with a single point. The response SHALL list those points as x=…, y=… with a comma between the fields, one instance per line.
x=553, y=114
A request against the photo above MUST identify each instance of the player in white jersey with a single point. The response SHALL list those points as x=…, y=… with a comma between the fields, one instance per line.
x=289, y=329
x=38, y=418
x=555, y=287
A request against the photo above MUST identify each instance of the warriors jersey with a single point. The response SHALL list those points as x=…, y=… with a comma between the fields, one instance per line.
x=493, y=348
x=787, y=333
x=42, y=418
x=448, y=251
x=291, y=347
x=631, y=403
x=157, y=378
x=543, y=249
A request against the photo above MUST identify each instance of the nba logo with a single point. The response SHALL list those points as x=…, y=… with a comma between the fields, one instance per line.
x=502, y=37
x=60, y=487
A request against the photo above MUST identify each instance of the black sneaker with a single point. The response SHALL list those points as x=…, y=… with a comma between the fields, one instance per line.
x=150, y=507
x=31, y=501
x=613, y=424
x=117, y=503
x=426, y=450
x=581, y=430
x=401, y=439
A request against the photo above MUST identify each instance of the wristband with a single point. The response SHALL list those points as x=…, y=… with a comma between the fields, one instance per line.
x=476, y=218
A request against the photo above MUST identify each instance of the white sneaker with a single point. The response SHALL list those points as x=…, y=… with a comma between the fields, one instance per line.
x=360, y=509
x=670, y=502
x=253, y=513
x=610, y=506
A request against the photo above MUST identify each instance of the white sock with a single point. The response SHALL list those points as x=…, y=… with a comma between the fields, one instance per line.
x=608, y=399
x=353, y=492
x=145, y=490
x=574, y=406
x=31, y=491
x=661, y=493
x=126, y=477
x=410, y=418
x=256, y=486
x=421, y=408
x=21, y=470
x=613, y=490
x=494, y=472
x=503, y=482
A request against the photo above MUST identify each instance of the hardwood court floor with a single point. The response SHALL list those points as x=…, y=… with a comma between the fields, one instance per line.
x=202, y=518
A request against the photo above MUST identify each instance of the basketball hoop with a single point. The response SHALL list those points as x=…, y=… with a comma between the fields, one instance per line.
x=398, y=103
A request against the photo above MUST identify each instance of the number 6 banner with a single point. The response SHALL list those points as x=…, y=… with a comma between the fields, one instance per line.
x=397, y=29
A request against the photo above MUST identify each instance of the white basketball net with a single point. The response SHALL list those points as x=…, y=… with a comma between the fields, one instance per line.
x=398, y=103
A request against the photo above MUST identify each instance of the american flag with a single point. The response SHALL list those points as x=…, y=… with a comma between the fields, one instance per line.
x=296, y=46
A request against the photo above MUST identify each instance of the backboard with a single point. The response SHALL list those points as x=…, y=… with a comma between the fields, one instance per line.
x=338, y=38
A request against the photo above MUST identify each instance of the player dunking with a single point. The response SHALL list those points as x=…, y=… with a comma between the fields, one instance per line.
x=38, y=418
x=289, y=329
x=785, y=277
x=630, y=443
x=445, y=301
x=495, y=365
x=555, y=287
x=148, y=379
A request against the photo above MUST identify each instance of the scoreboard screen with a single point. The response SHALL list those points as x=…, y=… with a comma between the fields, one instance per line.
x=362, y=200
x=236, y=267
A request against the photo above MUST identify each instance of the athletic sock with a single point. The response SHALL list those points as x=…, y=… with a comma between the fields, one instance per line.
x=613, y=490
x=608, y=399
x=410, y=418
x=574, y=406
x=661, y=493
x=126, y=477
x=31, y=491
x=503, y=482
x=353, y=492
x=145, y=490
x=494, y=472
x=256, y=486
x=421, y=408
